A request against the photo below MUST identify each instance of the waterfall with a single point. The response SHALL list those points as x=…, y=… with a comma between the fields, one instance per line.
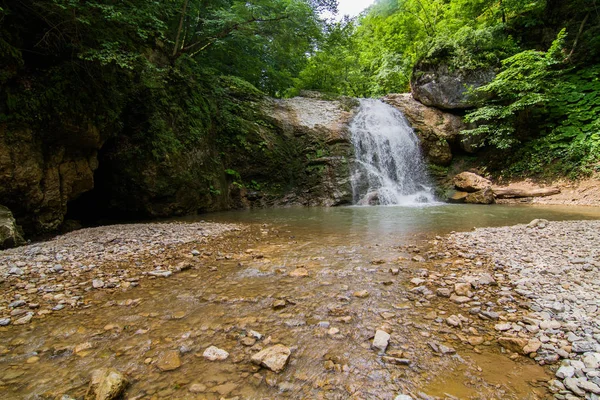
x=389, y=167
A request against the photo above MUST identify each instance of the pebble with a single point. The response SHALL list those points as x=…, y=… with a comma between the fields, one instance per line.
x=106, y=384
x=274, y=358
x=361, y=294
x=502, y=327
x=18, y=303
x=565, y=371
x=454, y=321
x=197, y=388
x=97, y=283
x=16, y=271
x=462, y=289
x=160, y=273
x=459, y=299
x=381, y=340
x=278, y=304
x=24, y=320
x=168, y=360
x=333, y=331
x=213, y=353
x=299, y=273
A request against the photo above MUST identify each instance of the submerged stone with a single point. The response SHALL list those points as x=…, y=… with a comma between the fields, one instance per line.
x=213, y=353
x=274, y=358
x=106, y=384
x=381, y=340
x=169, y=360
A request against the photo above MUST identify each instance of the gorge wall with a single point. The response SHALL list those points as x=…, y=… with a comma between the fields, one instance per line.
x=294, y=152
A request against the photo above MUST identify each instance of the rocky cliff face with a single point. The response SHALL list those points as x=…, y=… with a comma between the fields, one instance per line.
x=296, y=151
x=438, y=86
x=38, y=178
x=293, y=152
x=315, y=134
x=438, y=130
x=10, y=234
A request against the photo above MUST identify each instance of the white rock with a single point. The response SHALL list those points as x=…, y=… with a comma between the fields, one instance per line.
x=503, y=327
x=592, y=360
x=97, y=283
x=572, y=385
x=565, y=371
x=255, y=334
x=588, y=386
x=160, y=273
x=274, y=358
x=381, y=340
x=215, y=354
x=551, y=324
x=453, y=320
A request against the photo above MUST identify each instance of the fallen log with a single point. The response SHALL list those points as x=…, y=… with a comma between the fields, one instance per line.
x=514, y=192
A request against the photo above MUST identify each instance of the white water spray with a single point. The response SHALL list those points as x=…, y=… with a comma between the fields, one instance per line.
x=389, y=167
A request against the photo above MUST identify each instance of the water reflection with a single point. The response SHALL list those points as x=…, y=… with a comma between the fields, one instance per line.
x=377, y=223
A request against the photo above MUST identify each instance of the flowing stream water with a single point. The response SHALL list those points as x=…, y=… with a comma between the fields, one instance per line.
x=233, y=290
x=389, y=166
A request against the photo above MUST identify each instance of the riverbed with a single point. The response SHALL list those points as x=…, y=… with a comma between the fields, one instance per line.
x=319, y=281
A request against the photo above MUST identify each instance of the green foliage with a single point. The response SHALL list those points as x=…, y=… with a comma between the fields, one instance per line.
x=376, y=54
x=550, y=106
x=521, y=87
x=471, y=48
x=166, y=74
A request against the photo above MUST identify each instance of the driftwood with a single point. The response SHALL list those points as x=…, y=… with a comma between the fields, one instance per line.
x=515, y=192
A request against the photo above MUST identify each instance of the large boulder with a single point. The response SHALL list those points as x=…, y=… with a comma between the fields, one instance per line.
x=436, y=129
x=445, y=88
x=470, y=182
x=484, y=196
x=10, y=235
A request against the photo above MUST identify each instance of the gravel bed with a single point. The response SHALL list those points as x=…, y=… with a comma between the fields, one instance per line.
x=555, y=267
x=47, y=277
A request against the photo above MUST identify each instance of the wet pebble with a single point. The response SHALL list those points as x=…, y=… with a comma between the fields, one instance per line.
x=213, y=353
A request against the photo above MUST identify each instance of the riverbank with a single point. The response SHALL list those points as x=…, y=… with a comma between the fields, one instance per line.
x=533, y=290
x=325, y=297
x=61, y=273
x=583, y=192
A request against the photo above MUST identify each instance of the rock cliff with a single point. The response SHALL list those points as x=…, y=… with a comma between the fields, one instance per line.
x=294, y=151
x=438, y=130
x=439, y=86
x=39, y=177
x=284, y=152
x=315, y=134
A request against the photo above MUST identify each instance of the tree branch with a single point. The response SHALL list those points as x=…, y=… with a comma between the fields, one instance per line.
x=578, y=36
x=224, y=33
x=177, y=38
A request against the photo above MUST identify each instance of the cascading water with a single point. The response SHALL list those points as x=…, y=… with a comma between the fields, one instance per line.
x=389, y=167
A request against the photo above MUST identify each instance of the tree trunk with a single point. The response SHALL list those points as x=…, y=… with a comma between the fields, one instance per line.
x=181, y=19
x=506, y=193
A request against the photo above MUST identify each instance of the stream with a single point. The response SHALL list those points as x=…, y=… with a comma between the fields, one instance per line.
x=243, y=285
